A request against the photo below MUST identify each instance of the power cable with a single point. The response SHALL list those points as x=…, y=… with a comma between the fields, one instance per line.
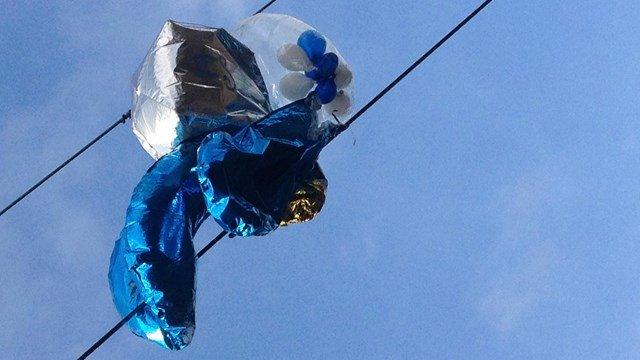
x=122, y=120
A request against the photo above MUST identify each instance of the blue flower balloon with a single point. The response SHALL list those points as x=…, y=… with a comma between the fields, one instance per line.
x=324, y=75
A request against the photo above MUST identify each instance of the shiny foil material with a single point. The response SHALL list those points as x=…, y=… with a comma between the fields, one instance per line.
x=308, y=199
x=154, y=259
x=193, y=80
x=250, y=178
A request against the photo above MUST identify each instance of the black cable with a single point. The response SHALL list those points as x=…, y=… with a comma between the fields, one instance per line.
x=210, y=244
x=413, y=66
x=264, y=7
x=344, y=127
x=122, y=120
x=140, y=307
x=112, y=331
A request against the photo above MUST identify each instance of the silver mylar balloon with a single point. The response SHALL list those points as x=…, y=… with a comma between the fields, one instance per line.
x=194, y=79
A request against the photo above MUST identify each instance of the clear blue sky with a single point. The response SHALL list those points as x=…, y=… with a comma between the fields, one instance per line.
x=490, y=208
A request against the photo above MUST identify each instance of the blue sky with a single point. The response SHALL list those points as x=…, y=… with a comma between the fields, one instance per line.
x=489, y=208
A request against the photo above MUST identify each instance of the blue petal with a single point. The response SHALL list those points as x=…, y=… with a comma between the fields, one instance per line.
x=313, y=44
x=313, y=74
x=326, y=91
x=328, y=65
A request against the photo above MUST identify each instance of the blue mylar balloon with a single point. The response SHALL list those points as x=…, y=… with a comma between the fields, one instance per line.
x=313, y=44
x=248, y=178
x=327, y=91
x=154, y=261
x=244, y=177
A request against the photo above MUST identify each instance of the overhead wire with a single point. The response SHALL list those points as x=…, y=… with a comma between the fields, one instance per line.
x=413, y=66
x=345, y=125
x=122, y=120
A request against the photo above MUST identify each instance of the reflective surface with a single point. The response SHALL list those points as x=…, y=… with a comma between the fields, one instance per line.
x=202, y=108
x=250, y=178
x=194, y=79
x=154, y=260
x=308, y=199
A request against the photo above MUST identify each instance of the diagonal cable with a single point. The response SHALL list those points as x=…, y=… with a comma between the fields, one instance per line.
x=413, y=66
x=122, y=120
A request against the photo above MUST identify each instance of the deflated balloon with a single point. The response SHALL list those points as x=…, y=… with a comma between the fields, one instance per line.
x=193, y=80
x=154, y=261
x=249, y=178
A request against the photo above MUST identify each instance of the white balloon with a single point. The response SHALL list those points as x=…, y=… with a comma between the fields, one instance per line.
x=295, y=86
x=343, y=76
x=340, y=105
x=293, y=58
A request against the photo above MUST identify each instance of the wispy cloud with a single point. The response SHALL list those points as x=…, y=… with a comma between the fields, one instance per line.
x=519, y=273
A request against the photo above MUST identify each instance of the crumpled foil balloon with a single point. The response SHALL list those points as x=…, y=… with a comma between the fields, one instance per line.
x=193, y=80
x=278, y=154
x=154, y=261
x=224, y=149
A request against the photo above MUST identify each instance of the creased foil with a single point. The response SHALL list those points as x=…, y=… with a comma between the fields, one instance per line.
x=193, y=80
x=154, y=260
x=250, y=178
x=308, y=199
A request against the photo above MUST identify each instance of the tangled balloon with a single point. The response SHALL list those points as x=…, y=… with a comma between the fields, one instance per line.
x=236, y=124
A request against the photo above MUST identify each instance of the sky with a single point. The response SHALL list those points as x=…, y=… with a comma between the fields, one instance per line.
x=486, y=208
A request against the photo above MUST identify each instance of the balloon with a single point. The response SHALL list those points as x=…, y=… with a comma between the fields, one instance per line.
x=154, y=261
x=326, y=91
x=326, y=68
x=340, y=105
x=185, y=89
x=262, y=164
x=328, y=65
x=343, y=76
x=265, y=34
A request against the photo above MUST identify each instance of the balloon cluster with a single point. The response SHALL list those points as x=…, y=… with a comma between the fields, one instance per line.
x=312, y=66
x=227, y=147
